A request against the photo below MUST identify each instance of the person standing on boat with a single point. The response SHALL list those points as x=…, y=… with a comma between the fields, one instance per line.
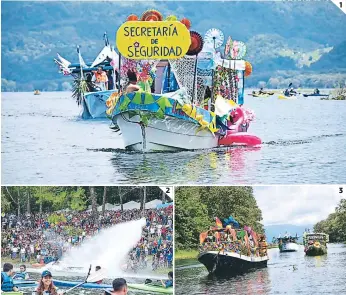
x=7, y=284
x=100, y=78
x=132, y=84
x=119, y=287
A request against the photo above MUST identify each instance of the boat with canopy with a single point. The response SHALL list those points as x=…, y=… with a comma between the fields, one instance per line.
x=228, y=249
x=315, y=244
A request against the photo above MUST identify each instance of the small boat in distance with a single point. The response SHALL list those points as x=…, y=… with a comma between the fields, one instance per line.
x=315, y=244
x=37, y=92
x=288, y=243
x=232, y=251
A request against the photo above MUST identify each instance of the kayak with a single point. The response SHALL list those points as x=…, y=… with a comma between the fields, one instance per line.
x=261, y=95
x=60, y=283
x=151, y=288
x=314, y=94
x=25, y=283
x=281, y=96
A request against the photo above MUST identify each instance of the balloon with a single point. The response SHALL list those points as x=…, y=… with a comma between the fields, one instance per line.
x=132, y=17
x=186, y=22
x=248, y=69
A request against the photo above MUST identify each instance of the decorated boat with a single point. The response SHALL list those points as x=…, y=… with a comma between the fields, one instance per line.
x=288, y=243
x=228, y=249
x=190, y=95
x=91, y=90
x=315, y=244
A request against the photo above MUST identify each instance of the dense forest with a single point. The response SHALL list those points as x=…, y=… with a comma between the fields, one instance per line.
x=31, y=199
x=196, y=208
x=335, y=224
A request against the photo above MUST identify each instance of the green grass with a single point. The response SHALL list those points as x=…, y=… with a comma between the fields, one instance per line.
x=185, y=254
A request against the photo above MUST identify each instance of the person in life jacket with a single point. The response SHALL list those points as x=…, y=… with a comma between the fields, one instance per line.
x=45, y=285
x=100, y=78
x=169, y=282
x=22, y=275
x=7, y=284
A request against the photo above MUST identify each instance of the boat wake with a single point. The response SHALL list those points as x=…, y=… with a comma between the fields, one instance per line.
x=302, y=141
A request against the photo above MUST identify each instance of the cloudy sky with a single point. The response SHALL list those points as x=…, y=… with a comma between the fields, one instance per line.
x=298, y=205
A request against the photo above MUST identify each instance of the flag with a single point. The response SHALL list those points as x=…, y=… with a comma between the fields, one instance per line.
x=82, y=64
x=63, y=61
x=218, y=222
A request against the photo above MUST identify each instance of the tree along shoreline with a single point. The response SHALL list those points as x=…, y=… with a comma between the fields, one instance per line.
x=335, y=224
x=197, y=207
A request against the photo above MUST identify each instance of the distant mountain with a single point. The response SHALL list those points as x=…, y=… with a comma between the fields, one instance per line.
x=275, y=230
x=280, y=35
x=335, y=59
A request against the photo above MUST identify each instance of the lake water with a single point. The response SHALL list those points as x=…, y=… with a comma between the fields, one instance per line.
x=45, y=142
x=313, y=275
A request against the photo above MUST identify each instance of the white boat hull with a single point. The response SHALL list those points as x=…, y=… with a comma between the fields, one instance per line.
x=289, y=247
x=169, y=134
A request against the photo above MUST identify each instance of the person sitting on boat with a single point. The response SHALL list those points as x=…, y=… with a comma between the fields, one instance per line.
x=316, y=91
x=169, y=282
x=132, y=84
x=98, y=268
x=22, y=274
x=287, y=92
x=45, y=284
x=100, y=79
x=119, y=287
x=7, y=273
x=261, y=91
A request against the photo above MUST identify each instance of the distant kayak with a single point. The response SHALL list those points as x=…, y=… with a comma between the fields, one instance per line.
x=281, y=96
x=262, y=94
x=314, y=94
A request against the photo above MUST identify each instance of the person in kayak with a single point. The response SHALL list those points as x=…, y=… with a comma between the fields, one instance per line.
x=22, y=274
x=7, y=273
x=316, y=91
x=119, y=287
x=169, y=282
x=261, y=91
x=45, y=285
x=292, y=92
x=287, y=92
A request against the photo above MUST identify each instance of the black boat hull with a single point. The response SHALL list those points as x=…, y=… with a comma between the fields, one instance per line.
x=226, y=264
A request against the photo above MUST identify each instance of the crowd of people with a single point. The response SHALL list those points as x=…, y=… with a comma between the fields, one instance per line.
x=34, y=239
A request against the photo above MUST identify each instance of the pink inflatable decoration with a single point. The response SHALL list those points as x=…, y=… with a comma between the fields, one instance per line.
x=237, y=135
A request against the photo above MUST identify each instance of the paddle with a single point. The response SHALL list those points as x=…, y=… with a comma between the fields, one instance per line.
x=97, y=276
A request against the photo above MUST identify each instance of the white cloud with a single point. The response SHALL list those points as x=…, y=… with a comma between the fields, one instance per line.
x=297, y=205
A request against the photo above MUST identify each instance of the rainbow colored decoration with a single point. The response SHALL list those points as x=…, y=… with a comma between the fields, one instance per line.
x=161, y=106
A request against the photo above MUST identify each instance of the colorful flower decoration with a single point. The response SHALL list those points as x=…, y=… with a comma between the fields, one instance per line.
x=238, y=50
x=132, y=17
x=248, y=69
x=228, y=46
x=171, y=18
x=186, y=22
x=215, y=37
x=151, y=15
x=196, y=44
